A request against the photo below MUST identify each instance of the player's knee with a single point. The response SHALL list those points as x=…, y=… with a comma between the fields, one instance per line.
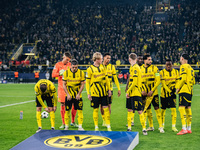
x=181, y=108
x=39, y=108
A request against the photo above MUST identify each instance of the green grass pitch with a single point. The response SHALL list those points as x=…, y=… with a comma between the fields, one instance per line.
x=13, y=130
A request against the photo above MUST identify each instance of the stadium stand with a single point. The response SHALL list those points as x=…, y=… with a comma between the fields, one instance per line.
x=83, y=27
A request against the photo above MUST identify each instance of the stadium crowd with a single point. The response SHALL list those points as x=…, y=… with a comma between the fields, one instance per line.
x=87, y=28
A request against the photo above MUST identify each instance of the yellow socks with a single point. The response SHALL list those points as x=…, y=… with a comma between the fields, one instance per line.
x=183, y=117
x=145, y=117
x=188, y=117
x=39, y=119
x=129, y=116
x=142, y=121
x=132, y=118
x=95, y=116
x=80, y=118
x=150, y=117
x=67, y=117
x=173, y=114
x=158, y=115
x=163, y=116
x=52, y=119
x=107, y=116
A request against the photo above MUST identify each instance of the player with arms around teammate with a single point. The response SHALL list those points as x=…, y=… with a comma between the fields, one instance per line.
x=185, y=91
x=58, y=71
x=134, y=93
x=73, y=84
x=169, y=78
x=97, y=83
x=150, y=82
x=45, y=91
x=111, y=72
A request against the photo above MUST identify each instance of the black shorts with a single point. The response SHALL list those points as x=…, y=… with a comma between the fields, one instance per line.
x=136, y=103
x=155, y=102
x=128, y=103
x=143, y=101
x=49, y=100
x=110, y=98
x=96, y=101
x=168, y=102
x=78, y=104
x=185, y=99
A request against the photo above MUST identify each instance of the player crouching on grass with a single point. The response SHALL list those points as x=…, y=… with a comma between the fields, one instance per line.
x=134, y=94
x=73, y=84
x=45, y=91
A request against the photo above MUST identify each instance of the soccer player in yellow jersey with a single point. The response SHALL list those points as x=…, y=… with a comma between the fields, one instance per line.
x=134, y=93
x=185, y=91
x=140, y=63
x=97, y=86
x=111, y=72
x=45, y=91
x=150, y=82
x=169, y=78
x=73, y=84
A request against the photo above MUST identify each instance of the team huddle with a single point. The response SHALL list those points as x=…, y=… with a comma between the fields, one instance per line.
x=141, y=92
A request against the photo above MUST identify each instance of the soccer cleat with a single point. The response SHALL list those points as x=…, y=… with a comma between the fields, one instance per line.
x=128, y=130
x=62, y=126
x=161, y=130
x=74, y=125
x=189, y=131
x=96, y=129
x=150, y=129
x=66, y=128
x=81, y=129
x=132, y=124
x=109, y=129
x=174, y=129
x=39, y=129
x=182, y=132
x=52, y=128
x=144, y=132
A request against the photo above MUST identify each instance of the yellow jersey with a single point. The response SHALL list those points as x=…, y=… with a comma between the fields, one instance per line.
x=97, y=82
x=111, y=72
x=135, y=81
x=73, y=81
x=51, y=91
x=150, y=78
x=168, y=80
x=186, y=79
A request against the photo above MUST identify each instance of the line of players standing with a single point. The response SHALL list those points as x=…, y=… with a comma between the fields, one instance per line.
x=142, y=86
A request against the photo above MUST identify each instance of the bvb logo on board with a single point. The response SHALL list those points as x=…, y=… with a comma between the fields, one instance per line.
x=78, y=141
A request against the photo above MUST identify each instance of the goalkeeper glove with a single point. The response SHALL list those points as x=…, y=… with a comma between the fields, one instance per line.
x=61, y=72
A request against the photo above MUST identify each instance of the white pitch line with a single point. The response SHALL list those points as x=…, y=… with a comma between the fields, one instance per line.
x=17, y=103
x=14, y=96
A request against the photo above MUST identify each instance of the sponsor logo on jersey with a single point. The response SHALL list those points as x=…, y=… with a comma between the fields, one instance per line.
x=78, y=141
